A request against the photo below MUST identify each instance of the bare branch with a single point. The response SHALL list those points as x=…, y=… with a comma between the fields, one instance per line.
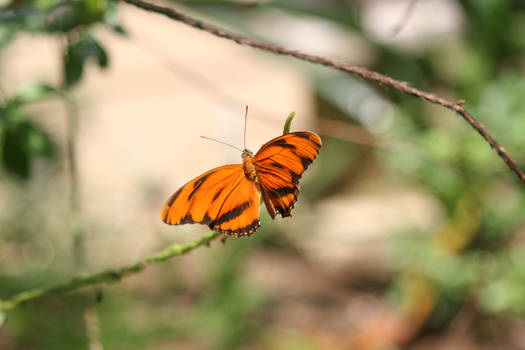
x=364, y=73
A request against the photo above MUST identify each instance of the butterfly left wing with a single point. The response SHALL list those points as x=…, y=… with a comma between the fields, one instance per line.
x=280, y=164
x=239, y=213
x=222, y=198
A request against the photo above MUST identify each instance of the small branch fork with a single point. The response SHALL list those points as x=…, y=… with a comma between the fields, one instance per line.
x=456, y=106
x=106, y=276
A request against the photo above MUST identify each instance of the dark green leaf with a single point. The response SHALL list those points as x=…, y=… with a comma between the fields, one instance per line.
x=100, y=54
x=15, y=156
x=73, y=65
x=62, y=17
x=20, y=142
x=77, y=54
x=119, y=29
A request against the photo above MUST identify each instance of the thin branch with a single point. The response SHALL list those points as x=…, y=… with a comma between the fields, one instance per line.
x=106, y=276
x=456, y=106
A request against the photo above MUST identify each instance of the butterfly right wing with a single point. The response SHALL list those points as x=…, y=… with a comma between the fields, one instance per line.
x=280, y=164
x=222, y=198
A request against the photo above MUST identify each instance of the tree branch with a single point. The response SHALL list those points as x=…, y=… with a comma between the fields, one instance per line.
x=364, y=73
x=106, y=276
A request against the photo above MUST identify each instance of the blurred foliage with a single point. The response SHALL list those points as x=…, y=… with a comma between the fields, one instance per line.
x=21, y=139
x=472, y=262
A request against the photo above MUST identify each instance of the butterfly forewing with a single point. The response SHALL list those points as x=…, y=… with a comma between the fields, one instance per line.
x=222, y=198
x=280, y=164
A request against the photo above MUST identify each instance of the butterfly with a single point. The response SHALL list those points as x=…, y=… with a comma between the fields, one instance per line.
x=227, y=198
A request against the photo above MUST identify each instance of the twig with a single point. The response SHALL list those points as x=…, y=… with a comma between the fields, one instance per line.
x=106, y=276
x=364, y=73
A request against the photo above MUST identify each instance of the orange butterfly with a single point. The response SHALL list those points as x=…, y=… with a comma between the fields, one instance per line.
x=227, y=198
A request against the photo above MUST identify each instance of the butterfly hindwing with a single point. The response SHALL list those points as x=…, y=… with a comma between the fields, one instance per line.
x=222, y=198
x=280, y=164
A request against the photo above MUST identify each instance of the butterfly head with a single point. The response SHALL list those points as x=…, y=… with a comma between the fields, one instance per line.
x=246, y=154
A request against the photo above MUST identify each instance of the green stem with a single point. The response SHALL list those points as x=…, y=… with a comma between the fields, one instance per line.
x=106, y=276
x=74, y=200
x=288, y=123
x=72, y=173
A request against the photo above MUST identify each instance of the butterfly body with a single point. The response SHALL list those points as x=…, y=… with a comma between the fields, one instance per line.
x=227, y=198
x=249, y=166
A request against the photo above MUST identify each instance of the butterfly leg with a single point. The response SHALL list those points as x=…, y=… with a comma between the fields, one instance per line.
x=223, y=239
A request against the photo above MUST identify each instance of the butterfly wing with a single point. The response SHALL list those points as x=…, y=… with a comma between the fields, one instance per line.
x=222, y=198
x=280, y=164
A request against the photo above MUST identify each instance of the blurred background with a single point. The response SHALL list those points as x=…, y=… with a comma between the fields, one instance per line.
x=409, y=232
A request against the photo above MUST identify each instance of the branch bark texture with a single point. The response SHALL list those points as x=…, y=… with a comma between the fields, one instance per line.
x=456, y=106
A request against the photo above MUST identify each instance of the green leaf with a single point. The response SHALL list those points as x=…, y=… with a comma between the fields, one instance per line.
x=39, y=142
x=76, y=56
x=73, y=66
x=62, y=17
x=3, y=318
x=70, y=15
x=112, y=20
x=100, y=54
x=34, y=92
x=92, y=11
x=15, y=156
x=288, y=123
x=20, y=142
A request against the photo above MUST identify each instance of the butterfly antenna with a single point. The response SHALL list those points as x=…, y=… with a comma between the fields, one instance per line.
x=245, y=121
x=224, y=143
